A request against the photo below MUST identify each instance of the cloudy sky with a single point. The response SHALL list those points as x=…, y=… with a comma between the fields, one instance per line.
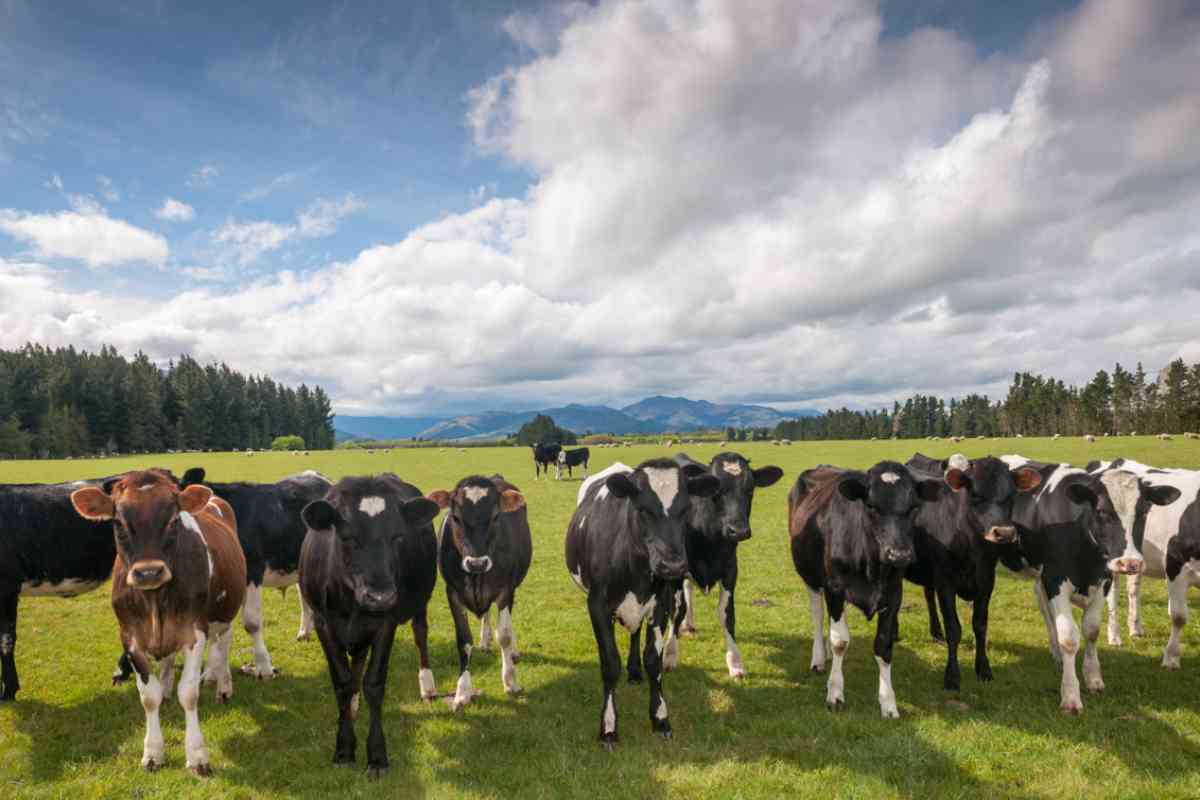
x=452, y=205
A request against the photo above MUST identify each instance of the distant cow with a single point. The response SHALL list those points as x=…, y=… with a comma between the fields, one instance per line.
x=178, y=580
x=484, y=555
x=369, y=563
x=712, y=530
x=545, y=454
x=571, y=459
x=625, y=548
x=852, y=541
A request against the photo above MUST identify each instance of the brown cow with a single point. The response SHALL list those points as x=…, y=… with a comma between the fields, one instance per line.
x=178, y=580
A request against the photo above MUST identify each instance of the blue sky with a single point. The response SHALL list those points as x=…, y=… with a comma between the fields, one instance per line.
x=436, y=207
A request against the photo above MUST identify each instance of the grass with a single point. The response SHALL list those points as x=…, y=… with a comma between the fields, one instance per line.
x=70, y=734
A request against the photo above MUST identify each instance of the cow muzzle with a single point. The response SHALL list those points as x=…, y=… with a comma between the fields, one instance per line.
x=476, y=566
x=897, y=556
x=1126, y=566
x=669, y=569
x=1001, y=534
x=148, y=575
x=377, y=601
x=734, y=534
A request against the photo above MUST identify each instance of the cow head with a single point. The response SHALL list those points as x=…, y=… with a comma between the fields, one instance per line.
x=659, y=493
x=991, y=488
x=726, y=514
x=369, y=518
x=889, y=495
x=475, y=506
x=148, y=512
x=1130, y=498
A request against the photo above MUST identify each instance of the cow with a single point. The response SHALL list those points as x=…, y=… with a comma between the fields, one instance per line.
x=713, y=528
x=625, y=549
x=544, y=455
x=852, y=540
x=271, y=533
x=368, y=564
x=571, y=459
x=485, y=551
x=1074, y=537
x=178, y=581
x=958, y=540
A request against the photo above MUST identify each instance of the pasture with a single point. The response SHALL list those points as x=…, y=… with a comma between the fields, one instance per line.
x=71, y=734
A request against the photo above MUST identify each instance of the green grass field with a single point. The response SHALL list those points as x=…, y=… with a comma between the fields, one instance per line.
x=70, y=734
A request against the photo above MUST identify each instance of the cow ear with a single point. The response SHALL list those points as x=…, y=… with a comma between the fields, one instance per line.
x=511, y=500
x=693, y=470
x=92, y=503
x=767, y=476
x=1162, y=495
x=110, y=483
x=956, y=479
x=929, y=491
x=703, y=485
x=1080, y=494
x=853, y=489
x=620, y=485
x=320, y=515
x=193, y=475
x=419, y=511
x=1027, y=479
x=194, y=498
x=439, y=496
x=1092, y=466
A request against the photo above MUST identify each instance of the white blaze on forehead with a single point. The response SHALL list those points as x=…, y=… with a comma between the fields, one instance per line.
x=1014, y=461
x=889, y=477
x=958, y=461
x=665, y=484
x=1058, y=476
x=732, y=467
x=372, y=505
x=475, y=493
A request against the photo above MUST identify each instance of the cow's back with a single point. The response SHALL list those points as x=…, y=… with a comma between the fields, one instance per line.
x=44, y=542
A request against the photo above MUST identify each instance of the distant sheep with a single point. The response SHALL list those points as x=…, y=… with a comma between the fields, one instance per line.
x=1164, y=437
x=1090, y=438
x=1057, y=436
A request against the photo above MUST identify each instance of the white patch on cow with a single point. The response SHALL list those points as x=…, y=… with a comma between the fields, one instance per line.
x=1124, y=491
x=372, y=506
x=475, y=493
x=816, y=608
x=610, y=715
x=839, y=639
x=279, y=580
x=665, y=484
x=733, y=656
x=68, y=588
x=889, y=477
x=1067, y=633
x=732, y=467
x=252, y=620
x=887, y=696
x=189, y=699
x=599, y=477
x=354, y=705
x=507, y=640
x=192, y=525
x=464, y=693
x=1062, y=472
x=661, y=711
x=7, y=644
x=958, y=461
x=427, y=684
x=147, y=487
x=151, y=694
x=577, y=576
x=631, y=612
x=213, y=508
x=1014, y=461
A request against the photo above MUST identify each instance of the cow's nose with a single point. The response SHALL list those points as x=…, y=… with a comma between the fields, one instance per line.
x=148, y=574
x=477, y=566
x=736, y=533
x=1130, y=566
x=1001, y=534
x=897, y=555
x=378, y=601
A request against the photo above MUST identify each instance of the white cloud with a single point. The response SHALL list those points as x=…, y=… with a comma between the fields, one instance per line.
x=108, y=189
x=54, y=183
x=203, y=175
x=86, y=234
x=247, y=240
x=174, y=210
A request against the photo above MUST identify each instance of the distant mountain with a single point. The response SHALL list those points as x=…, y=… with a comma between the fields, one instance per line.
x=682, y=414
x=381, y=427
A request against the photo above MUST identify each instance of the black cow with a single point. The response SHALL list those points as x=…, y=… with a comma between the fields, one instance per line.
x=369, y=563
x=484, y=554
x=852, y=541
x=571, y=459
x=625, y=549
x=271, y=532
x=712, y=530
x=545, y=454
x=959, y=539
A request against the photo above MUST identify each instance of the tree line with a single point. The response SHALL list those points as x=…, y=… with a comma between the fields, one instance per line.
x=1121, y=402
x=63, y=402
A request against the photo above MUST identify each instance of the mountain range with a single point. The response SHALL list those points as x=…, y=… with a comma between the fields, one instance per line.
x=658, y=414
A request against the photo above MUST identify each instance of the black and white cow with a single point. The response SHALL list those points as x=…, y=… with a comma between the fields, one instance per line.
x=545, y=455
x=1073, y=537
x=570, y=459
x=712, y=530
x=1170, y=544
x=959, y=539
x=369, y=563
x=485, y=553
x=852, y=540
x=271, y=532
x=625, y=549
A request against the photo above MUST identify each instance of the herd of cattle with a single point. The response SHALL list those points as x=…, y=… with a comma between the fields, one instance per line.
x=185, y=555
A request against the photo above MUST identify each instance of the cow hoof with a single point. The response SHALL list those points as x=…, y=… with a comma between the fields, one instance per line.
x=738, y=674
x=937, y=637
x=1073, y=709
x=687, y=630
x=635, y=677
x=117, y=680
x=223, y=697
x=375, y=773
x=890, y=713
x=1115, y=641
x=201, y=770
x=150, y=765
x=836, y=705
x=984, y=674
x=1096, y=688
x=818, y=668
x=664, y=732
x=515, y=691
x=516, y=657
x=303, y=636
x=608, y=741
x=1170, y=664
x=262, y=675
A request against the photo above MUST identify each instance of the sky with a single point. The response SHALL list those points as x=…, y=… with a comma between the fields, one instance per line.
x=446, y=206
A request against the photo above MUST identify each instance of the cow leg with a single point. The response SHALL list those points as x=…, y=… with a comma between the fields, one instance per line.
x=885, y=643
x=8, y=646
x=1177, y=606
x=343, y=690
x=986, y=580
x=306, y=619
x=463, y=692
x=124, y=670
x=374, y=686
x=252, y=620
x=1091, y=632
x=166, y=673
x=151, y=693
x=420, y=631
x=189, y=700
x=656, y=641
x=1039, y=591
x=1068, y=645
x=935, y=627
x=1133, y=593
x=671, y=650
x=1114, y=624
x=816, y=607
x=689, y=618
x=485, y=630
x=504, y=635
x=610, y=666
x=633, y=664
x=952, y=679
x=726, y=618
x=839, y=638
x=358, y=665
